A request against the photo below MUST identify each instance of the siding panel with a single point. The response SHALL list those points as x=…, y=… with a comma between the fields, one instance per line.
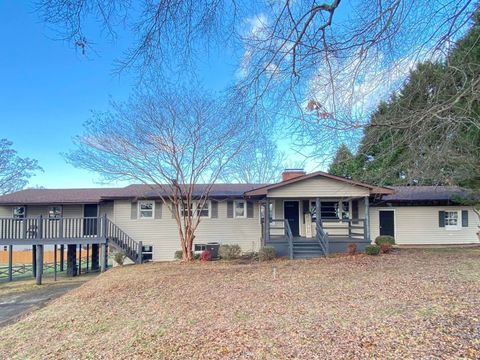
x=318, y=187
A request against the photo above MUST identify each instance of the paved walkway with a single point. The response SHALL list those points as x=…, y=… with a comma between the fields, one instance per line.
x=20, y=297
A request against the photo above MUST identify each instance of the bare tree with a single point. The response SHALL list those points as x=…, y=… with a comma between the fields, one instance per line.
x=176, y=141
x=14, y=170
x=320, y=67
x=258, y=162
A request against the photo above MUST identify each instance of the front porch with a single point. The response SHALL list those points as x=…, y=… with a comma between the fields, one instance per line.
x=297, y=230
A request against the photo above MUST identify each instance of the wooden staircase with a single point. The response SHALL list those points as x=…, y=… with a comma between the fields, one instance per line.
x=304, y=249
x=121, y=241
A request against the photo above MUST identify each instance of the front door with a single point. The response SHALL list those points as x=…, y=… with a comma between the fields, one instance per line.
x=387, y=222
x=90, y=213
x=290, y=209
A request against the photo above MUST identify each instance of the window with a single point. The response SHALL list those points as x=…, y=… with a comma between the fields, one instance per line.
x=452, y=220
x=239, y=209
x=200, y=247
x=55, y=212
x=19, y=212
x=204, y=211
x=271, y=208
x=146, y=209
x=331, y=210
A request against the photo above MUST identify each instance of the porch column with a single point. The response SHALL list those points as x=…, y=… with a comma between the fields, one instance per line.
x=266, y=220
x=95, y=258
x=318, y=211
x=366, y=225
x=71, y=260
x=39, y=271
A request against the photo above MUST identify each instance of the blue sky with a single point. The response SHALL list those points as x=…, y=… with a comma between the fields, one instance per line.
x=47, y=91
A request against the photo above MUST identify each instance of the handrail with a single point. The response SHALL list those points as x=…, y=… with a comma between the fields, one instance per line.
x=289, y=238
x=322, y=238
x=124, y=242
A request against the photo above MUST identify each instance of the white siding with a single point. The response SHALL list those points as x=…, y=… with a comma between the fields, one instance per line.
x=162, y=233
x=418, y=225
x=318, y=187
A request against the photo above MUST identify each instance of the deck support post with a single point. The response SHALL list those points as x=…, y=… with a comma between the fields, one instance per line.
x=34, y=260
x=10, y=262
x=62, y=254
x=88, y=254
x=79, y=259
x=266, y=226
x=140, y=254
x=71, y=260
x=39, y=272
x=55, y=262
x=366, y=225
x=103, y=257
x=95, y=263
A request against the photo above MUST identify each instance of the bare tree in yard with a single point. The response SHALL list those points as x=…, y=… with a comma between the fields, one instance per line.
x=176, y=141
x=14, y=170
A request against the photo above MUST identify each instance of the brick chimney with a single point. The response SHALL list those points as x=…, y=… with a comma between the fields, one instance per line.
x=292, y=174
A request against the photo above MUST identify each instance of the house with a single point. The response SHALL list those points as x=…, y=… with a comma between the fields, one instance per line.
x=304, y=215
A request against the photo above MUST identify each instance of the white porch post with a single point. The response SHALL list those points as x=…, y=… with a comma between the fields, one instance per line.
x=318, y=212
x=366, y=225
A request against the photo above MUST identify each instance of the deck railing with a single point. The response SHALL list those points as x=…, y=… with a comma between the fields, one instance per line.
x=51, y=228
x=351, y=228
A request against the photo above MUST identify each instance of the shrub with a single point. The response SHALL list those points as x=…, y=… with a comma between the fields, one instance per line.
x=229, y=252
x=178, y=254
x=352, y=249
x=372, y=250
x=119, y=257
x=385, y=248
x=266, y=253
x=384, y=239
x=206, y=256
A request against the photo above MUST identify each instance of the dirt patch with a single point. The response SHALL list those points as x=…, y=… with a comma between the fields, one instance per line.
x=412, y=304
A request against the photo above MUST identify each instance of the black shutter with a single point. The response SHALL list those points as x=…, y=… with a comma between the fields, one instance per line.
x=464, y=218
x=249, y=209
x=214, y=210
x=133, y=210
x=229, y=209
x=441, y=218
x=158, y=209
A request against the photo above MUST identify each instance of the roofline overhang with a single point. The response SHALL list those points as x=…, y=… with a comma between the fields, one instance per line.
x=263, y=191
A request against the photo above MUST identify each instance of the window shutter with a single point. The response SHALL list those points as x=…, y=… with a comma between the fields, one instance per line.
x=229, y=209
x=214, y=210
x=249, y=209
x=464, y=218
x=134, y=210
x=158, y=209
x=441, y=218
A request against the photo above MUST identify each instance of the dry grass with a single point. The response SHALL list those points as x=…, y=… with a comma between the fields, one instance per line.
x=410, y=304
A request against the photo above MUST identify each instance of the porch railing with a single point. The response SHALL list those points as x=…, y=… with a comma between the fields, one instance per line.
x=351, y=228
x=120, y=239
x=322, y=238
x=284, y=226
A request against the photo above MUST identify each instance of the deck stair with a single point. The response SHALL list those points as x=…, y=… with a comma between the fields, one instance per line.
x=121, y=241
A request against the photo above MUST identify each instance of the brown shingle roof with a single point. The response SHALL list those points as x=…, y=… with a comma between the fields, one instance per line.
x=422, y=193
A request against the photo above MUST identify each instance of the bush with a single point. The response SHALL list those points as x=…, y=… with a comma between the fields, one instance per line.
x=266, y=253
x=229, y=252
x=206, y=256
x=352, y=249
x=178, y=254
x=384, y=239
x=372, y=250
x=385, y=248
x=119, y=257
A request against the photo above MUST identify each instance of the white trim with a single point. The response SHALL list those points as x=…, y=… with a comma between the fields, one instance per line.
x=244, y=216
x=24, y=211
x=459, y=220
x=139, y=207
x=394, y=222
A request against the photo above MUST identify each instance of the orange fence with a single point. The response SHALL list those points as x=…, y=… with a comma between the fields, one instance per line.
x=25, y=257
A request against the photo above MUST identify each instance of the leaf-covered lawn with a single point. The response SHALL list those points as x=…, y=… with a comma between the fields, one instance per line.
x=410, y=304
